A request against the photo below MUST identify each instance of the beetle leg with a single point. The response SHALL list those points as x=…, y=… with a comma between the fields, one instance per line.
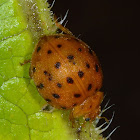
x=90, y=108
x=61, y=27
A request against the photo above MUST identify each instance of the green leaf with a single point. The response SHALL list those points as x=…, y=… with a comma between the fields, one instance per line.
x=22, y=22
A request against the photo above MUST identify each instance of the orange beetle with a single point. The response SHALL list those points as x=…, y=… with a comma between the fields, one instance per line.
x=68, y=75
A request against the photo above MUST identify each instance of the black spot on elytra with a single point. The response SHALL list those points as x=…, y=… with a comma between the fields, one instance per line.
x=63, y=107
x=40, y=86
x=59, y=45
x=77, y=95
x=97, y=68
x=57, y=65
x=80, y=74
x=90, y=51
x=89, y=87
x=74, y=63
x=59, y=85
x=70, y=80
x=79, y=49
x=45, y=72
x=50, y=78
x=87, y=119
x=70, y=57
x=48, y=100
x=34, y=69
x=49, y=51
x=87, y=65
x=56, y=96
x=38, y=49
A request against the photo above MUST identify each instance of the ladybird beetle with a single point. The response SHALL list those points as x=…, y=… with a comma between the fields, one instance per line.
x=68, y=75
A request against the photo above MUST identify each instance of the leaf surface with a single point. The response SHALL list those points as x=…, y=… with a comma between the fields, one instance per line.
x=22, y=23
x=20, y=103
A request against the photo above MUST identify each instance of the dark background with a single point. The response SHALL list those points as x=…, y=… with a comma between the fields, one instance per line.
x=109, y=28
